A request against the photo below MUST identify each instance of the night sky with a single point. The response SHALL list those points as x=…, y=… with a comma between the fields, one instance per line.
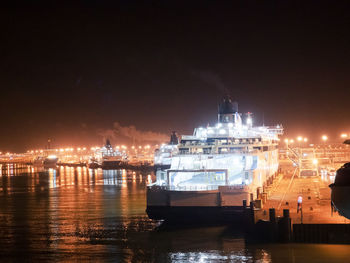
x=69, y=72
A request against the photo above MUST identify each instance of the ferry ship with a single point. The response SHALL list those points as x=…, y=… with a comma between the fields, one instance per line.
x=106, y=157
x=215, y=169
x=111, y=158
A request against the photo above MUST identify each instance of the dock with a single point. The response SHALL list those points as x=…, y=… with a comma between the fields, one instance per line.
x=279, y=219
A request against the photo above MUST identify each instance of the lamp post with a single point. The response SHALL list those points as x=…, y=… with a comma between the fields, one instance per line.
x=286, y=142
x=305, y=140
x=324, y=139
x=299, y=139
x=291, y=141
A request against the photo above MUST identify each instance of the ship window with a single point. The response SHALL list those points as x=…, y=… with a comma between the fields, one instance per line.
x=206, y=150
x=265, y=148
x=184, y=150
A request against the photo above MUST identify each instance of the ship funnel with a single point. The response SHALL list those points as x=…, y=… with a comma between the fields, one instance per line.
x=227, y=110
x=174, y=140
x=108, y=144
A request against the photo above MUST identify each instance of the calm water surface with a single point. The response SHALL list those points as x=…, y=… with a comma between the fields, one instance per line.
x=77, y=214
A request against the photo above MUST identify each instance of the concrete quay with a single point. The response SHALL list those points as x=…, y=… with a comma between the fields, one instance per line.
x=285, y=190
x=280, y=220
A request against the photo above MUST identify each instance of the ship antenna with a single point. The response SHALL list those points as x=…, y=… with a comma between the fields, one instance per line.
x=263, y=119
x=218, y=112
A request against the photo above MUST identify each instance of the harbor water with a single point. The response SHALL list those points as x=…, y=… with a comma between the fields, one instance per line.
x=79, y=214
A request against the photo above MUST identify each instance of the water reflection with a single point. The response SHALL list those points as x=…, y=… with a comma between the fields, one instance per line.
x=83, y=214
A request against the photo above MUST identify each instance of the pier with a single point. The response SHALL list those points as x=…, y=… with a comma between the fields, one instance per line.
x=295, y=208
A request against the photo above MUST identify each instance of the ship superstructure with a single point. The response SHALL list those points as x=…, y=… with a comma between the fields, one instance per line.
x=163, y=155
x=215, y=169
x=107, y=157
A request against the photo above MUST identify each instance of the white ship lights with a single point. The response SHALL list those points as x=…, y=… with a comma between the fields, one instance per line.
x=232, y=152
x=237, y=129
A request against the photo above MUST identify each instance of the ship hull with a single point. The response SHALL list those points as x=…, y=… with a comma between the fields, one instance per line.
x=46, y=163
x=94, y=165
x=221, y=206
x=111, y=164
x=162, y=167
x=197, y=214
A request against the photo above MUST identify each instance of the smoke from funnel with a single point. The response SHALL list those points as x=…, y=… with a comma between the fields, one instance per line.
x=212, y=79
x=121, y=133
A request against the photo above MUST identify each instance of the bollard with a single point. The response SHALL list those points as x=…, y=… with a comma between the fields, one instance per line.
x=285, y=227
x=252, y=214
x=272, y=215
x=264, y=197
x=244, y=204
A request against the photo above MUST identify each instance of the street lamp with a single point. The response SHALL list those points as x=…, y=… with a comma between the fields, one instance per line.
x=324, y=139
x=299, y=139
x=286, y=141
x=305, y=141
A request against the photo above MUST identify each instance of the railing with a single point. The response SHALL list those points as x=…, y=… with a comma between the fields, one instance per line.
x=295, y=156
x=184, y=188
x=218, y=143
x=156, y=187
x=222, y=152
x=193, y=188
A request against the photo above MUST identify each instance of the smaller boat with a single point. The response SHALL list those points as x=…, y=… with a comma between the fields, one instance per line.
x=49, y=161
x=93, y=163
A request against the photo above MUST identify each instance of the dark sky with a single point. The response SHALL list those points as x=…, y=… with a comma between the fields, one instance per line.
x=68, y=72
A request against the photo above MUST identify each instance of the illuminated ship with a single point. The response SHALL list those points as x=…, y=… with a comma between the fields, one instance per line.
x=106, y=157
x=163, y=155
x=46, y=161
x=215, y=169
x=110, y=158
